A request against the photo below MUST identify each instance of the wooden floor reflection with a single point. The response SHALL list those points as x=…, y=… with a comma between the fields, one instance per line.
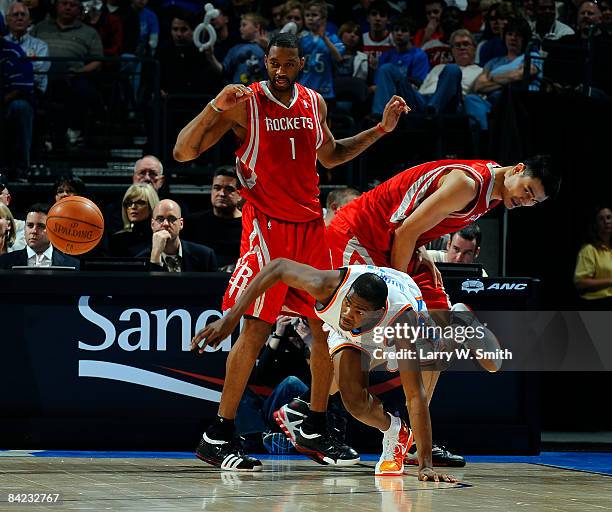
x=158, y=484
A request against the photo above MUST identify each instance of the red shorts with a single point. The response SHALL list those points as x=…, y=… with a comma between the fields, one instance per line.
x=264, y=239
x=346, y=249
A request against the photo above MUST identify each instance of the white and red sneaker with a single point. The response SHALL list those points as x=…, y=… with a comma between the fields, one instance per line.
x=396, y=443
x=290, y=416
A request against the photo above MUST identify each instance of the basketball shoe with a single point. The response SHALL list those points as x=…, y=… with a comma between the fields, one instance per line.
x=323, y=448
x=227, y=455
x=290, y=416
x=396, y=442
x=440, y=457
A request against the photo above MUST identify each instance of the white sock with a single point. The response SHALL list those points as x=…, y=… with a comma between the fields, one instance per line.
x=395, y=426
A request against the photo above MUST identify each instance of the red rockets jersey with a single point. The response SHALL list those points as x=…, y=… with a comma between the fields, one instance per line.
x=374, y=216
x=276, y=164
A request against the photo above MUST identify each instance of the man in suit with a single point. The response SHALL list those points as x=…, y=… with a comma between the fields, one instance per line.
x=168, y=252
x=38, y=251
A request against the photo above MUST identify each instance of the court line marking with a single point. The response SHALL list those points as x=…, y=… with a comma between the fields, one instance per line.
x=576, y=470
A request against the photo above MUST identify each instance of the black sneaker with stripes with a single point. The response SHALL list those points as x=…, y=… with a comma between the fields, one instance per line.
x=325, y=449
x=227, y=455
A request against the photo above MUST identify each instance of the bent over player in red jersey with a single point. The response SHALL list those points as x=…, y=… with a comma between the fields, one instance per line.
x=390, y=225
x=282, y=126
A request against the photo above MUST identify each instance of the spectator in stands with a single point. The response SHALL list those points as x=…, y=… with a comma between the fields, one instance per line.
x=507, y=70
x=546, y=25
x=606, y=15
x=473, y=18
x=402, y=67
x=354, y=62
x=149, y=170
x=244, y=63
x=18, y=22
x=492, y=43
x=433, y=30
x=295, y=13
x=184, y=69
x=463, y=247
x=167, y=251
x=38, y=252
x=149, y=29
x=8, y=229
x=439, y=50
x=588, y=24
x=225, y=39
x=130, y=21
x=71, y=84
x=593, y=274
x=219, y=228
x=6, y=199
x=446, y=84
x=278, y=11
x=585, y=55
x=139, y=202
x=67, y=185
x=108, y=26
x=336, y=199
x=39, y=9
x=321, y=51
x=17, y=82
x=377, y=39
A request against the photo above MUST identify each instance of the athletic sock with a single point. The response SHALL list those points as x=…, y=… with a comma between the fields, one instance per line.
x=315, y=422
x=396, y=424
x=221, y=429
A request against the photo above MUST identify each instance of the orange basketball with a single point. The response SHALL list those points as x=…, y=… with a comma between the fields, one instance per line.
x=75, y=225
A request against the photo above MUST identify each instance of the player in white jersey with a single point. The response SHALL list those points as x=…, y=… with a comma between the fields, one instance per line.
x=356, y=302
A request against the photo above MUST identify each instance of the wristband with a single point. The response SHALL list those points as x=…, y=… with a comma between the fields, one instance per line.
x=380, y=128
x=214, y=107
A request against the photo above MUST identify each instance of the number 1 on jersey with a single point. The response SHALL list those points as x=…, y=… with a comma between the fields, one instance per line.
x=292, y=140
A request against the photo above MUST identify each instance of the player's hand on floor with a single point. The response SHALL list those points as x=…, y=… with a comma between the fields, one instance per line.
x=211, y=335
x=395, y=107
x=429, y=475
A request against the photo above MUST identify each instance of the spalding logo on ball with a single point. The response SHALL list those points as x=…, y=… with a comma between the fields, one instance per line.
x=75, y=225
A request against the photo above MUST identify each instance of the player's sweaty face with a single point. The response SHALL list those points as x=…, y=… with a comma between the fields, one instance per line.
x=356, y=312
x=523, y=190
x=284, y=66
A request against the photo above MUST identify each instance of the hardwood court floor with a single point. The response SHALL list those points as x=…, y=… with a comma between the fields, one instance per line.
x=293, y=484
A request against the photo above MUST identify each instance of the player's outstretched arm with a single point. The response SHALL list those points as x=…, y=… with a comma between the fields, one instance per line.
x=320, y=284
x=210, y=125
x=416, y=402
x=454, y=194
x=335, y=152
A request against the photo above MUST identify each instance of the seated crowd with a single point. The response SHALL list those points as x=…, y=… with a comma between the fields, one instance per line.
x=441, y=56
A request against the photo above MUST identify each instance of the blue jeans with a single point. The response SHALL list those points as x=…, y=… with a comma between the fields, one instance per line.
x=256, y=415
x=20, y=119
x=477, y=107
x=392, y=80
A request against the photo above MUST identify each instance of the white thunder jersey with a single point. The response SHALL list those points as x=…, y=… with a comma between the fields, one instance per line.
x=403, y=295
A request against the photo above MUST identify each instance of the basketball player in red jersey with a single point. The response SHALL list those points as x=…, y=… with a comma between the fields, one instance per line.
x=390, y=225
x=282, y=126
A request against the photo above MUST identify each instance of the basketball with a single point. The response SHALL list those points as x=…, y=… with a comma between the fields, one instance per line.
x=75, y=225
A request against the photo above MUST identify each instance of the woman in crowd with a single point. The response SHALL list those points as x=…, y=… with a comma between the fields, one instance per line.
x=137, y=209
x=8, y=230
x=492, y=43
x=65, y=186
x=593, y=274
